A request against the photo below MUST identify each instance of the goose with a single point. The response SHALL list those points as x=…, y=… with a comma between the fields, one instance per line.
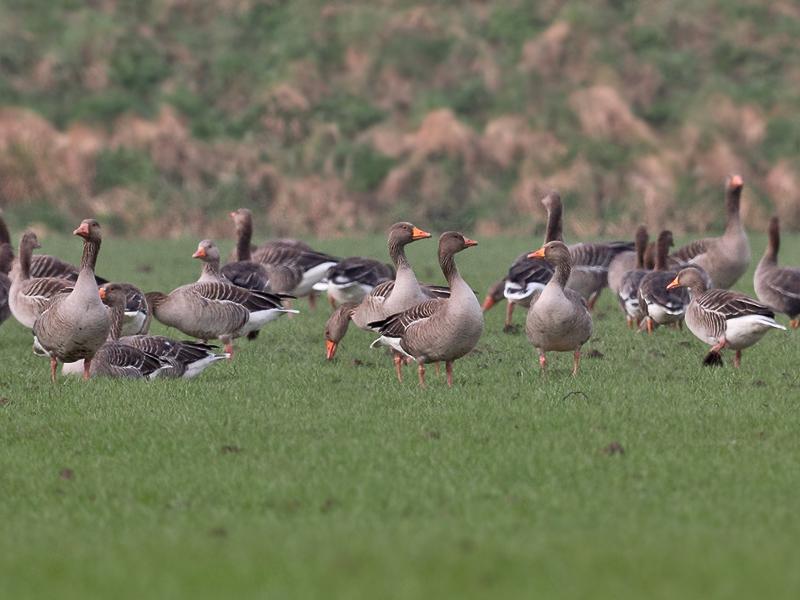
x=441, y=329
x=724, y=258
x=113, y=358
x=6, y=257
x=494, y=294
x=778, y=287
x=721, y=318
x=351, y=279
x=312, y=265
x=74, y=323
x=659, y=305
x=387, y=298
x=137, y=315
x=558, y=319
x=184, y=359
x=628, y=284
x=213, y=308
x=28, y=295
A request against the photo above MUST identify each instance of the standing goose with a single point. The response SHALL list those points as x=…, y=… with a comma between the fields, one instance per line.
x=725, y=258
x=558, y=318
x=351, y=279
x=628, y=285
x=441, y=329
x=389, y=297
x=113, y=358
x=28, y=295
x=778, y=287
x=75, y=323
x=212, y=308
x=721, y=318
x=181, y=358
x=660, y=305
x=6, y=257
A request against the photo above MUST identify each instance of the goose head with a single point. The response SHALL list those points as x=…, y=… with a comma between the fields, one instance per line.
x=556, y=253
x=452, y=242
x=89, y=230
x=207, y=251
x=690, y=278
x=404, y=233
x=336, y=328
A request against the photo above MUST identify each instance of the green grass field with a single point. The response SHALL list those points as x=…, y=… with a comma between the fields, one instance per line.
x=280, y=475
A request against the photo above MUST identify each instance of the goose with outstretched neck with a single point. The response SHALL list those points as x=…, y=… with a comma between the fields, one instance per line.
x=628, y=284
x=778, y=287
x=444, y=329
x=387, y=298
x=213, y=308
x=721, y=318
x=29, y=295
x=725, y=259
x=659, y=305
x=558, y=319
x=74, y=324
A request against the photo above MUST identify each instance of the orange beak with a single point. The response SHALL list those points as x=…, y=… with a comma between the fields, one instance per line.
x=737, y=181
x=419, y=234
x=538, y=254
x=200, y=253
x=82, y=230
x=469, y=243
x=232, y=214
x=330, y=349
x=674, y=283
x=102, y=292
x=488, y=303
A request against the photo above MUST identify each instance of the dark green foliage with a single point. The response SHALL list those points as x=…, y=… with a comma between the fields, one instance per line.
x=369, y=167
x=350, y=112
x=123, y=167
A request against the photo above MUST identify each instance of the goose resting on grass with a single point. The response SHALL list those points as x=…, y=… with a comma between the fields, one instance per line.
x=74, y=324
x=721, y=318
x=441, y=329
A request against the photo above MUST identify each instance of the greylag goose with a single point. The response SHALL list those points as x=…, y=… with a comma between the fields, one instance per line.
x=558, y=319
x=312, y=265
x=494, y=294
x=441, y=329
x=136, y=316
x=721, y=318
x=6, y=257
x=74, y=324
x=659, y=305
x=725, y=258
x=183, y=358
x=113, y=358
x=351, y=279
x=628, y=284
x=213, y=308
x=778, y=287
x=389, y=297
x=28, y=296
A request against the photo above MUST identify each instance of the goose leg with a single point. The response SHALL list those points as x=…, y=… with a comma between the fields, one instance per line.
x=228, y=346
x=312, y=301
x=332, y=302
x=592, y=300
x=629, y=321
x=421, y=372
x=509, y=313
x=542, y=362
x=794, y=323
x=576, y=361
x=87, y=364
x=650, y=326
x=398, y=366
x=448, y=366
x=436, y=367
x=737, y=359
x=53, y=368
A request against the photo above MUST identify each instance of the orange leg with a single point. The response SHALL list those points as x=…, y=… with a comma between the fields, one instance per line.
x=448, y=366
x=332, y=302
x=542, y=362
x=509, y=313
x=436, y=368
x=398, y=366
x=576, y=362
x=53, y=368
x=592, y=300
x=794, y=323
x=421, y=372
x=737, y=359
x=229, y=349
x=312, y=301
x=87, y=365
x=650, y=326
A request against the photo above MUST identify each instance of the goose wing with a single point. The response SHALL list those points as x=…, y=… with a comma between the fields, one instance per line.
x=396, y=325
x=730, y=305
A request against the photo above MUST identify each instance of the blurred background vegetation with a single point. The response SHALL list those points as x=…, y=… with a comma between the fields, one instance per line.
x=336, y=118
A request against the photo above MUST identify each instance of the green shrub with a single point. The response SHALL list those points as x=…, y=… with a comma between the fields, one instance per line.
x=368, y=168
x=123, y=167
x=352, y=113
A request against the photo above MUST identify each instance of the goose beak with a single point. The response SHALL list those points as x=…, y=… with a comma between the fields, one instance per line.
x=419, y=234
x=736, y=182
x=488, y=303
x=232, y=214
x=330, y=349
x=538, y=254
x=82, y=230
x=673, y=284
x=200, y=253
x=102, y=292
x=469, y=243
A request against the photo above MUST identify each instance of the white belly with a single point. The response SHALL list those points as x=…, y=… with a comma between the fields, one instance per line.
x=348, y=292
x=312, y=276
x=517, y=294
x=662, y=315
x=742, y=332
